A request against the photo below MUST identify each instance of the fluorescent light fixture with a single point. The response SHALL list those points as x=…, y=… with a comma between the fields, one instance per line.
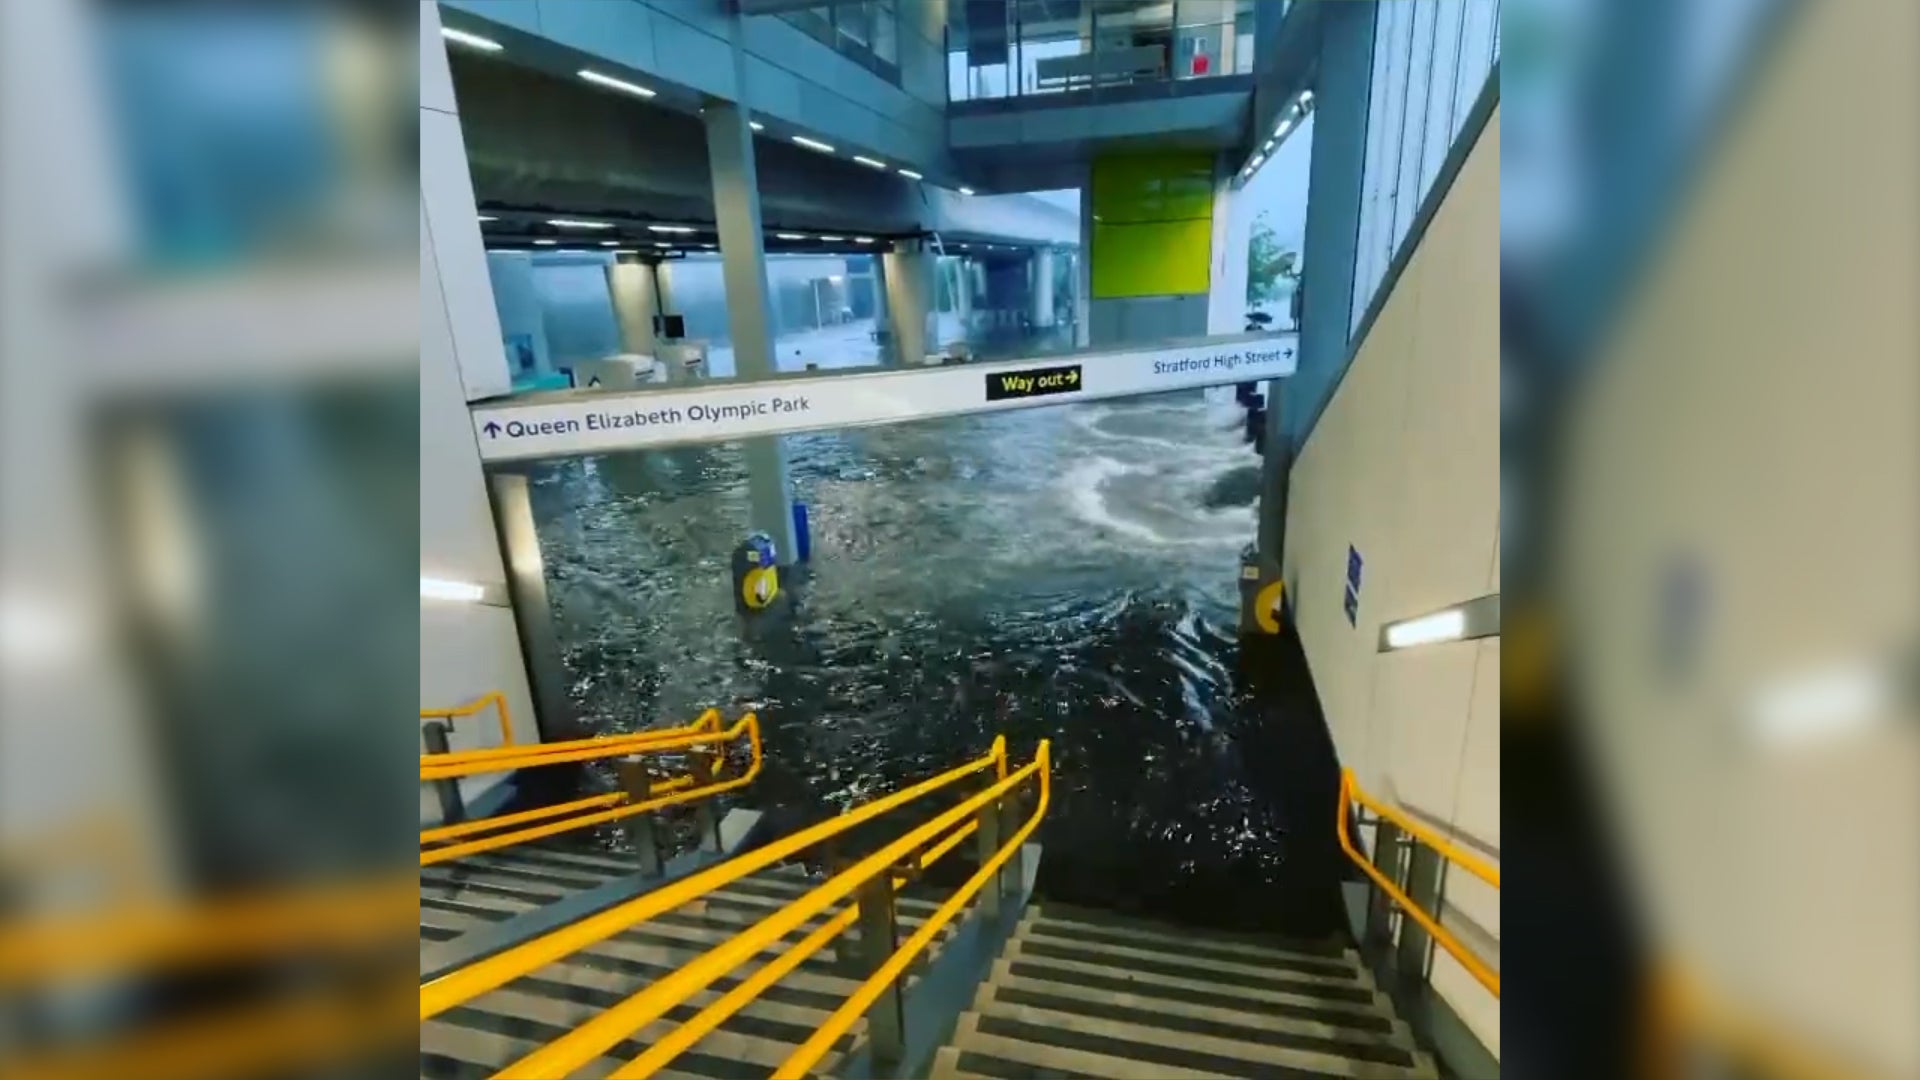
x=863, y=239
x=869, y=162
x=484, y=217
x=790, y=236
x=574, y=223
x=910, y=174
x=670, y=228
x=966, y=191
x=813, y=144
x=1821, y=705
x=756, y=125
x=546, y=243
x=614, y=84
x=441, y=589
x=1448, y=625
x=472, y=41
x=833, y=239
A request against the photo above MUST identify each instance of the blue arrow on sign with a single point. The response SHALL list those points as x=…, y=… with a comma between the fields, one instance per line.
x=492, y=429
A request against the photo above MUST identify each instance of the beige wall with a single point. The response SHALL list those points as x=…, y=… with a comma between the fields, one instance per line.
x=466, y=650
x=1754, y=418
x=1404, y=466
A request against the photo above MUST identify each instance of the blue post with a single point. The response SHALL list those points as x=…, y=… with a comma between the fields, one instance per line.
x=802, y=538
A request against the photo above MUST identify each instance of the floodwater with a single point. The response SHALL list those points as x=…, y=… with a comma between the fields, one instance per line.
x=1066, y=573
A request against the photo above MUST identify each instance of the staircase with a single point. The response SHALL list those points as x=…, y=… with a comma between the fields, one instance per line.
x=479, y=1038
x=1085, y=993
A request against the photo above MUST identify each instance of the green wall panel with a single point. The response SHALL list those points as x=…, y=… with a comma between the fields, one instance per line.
x=1152, y=225
x=1158, y=187
x=1157, y=258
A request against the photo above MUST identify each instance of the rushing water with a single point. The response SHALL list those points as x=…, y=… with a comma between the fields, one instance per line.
x=1066, y=573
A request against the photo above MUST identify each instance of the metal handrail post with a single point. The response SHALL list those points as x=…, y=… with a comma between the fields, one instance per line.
x=879, y=937
x=637, y=781
x=453, y=808
x=706, y=820
x=987, y=845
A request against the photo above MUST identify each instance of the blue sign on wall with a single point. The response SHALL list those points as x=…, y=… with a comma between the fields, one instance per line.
x=1353, y=586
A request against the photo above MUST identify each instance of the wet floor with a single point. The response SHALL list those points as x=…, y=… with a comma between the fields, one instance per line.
x=1065, y=573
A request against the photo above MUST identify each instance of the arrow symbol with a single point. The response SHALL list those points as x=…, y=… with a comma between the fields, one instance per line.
x=492, y=429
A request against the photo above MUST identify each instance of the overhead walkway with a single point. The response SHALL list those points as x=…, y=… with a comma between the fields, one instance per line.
x=830, y=951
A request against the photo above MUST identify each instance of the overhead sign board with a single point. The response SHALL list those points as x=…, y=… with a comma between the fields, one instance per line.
x=568, y=423
x=1033, y=382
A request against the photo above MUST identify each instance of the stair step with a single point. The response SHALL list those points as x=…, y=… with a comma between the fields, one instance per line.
x=1162, y=1049
x=1196, y=943
x=1259, y=1018
x=785, y=887
x=1037, y=1060
x=953, y=1063
x=541, y=874
x=1234, y=1038
x=540, y=1020
x=527, y=892
x=667, y=948
x=1192, y=963
x=1133, y=926
x=1367, y=1007
x=1217, y=976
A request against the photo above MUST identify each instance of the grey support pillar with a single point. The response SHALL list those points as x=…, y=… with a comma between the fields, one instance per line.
x=1332, y=233
x=532, y=614
x=909, y=275
x=663, y=285
x=889, y=350
x=630, y=283
x=1042, y=288
x=743, y=266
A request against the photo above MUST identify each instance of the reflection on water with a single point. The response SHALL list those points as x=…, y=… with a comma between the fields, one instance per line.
x=1066, y=573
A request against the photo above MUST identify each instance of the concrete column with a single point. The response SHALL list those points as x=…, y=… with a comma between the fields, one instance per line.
x=909, y=274
x=1083, y=278
x=963, y=289
x=1043, y=287
x=743, y=267
x=663, y=285
x=631, y=284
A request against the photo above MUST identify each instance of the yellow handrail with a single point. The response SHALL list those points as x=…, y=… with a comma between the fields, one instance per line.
x=701, y=1024
x=432, y=768
x=604, y=1031
x=465, y=984
x=749, y=726
x=856, y=1006
x=494, y=698
x=479, y=825
x=709, y=721
x=1350, y=791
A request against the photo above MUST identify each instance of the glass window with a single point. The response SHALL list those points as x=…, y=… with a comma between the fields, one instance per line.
x=886, y=30
x=851, y=20
x=1430, y=62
